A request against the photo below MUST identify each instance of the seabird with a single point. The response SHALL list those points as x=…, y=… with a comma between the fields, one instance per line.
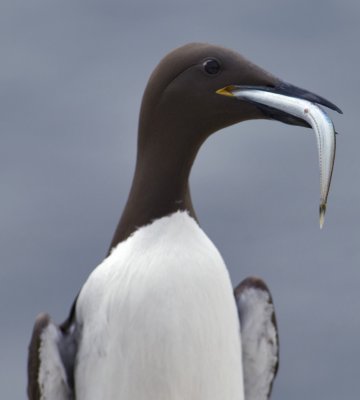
x=158, y=319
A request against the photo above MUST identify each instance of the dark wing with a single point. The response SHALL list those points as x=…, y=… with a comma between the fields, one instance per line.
x=260, y=342
x=51, y=358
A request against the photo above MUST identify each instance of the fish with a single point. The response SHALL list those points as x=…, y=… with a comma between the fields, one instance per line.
x=316, y=117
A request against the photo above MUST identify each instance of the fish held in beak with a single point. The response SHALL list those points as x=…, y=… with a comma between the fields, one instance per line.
x=297, y=106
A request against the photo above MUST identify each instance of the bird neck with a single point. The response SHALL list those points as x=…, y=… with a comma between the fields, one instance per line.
x=160, y=185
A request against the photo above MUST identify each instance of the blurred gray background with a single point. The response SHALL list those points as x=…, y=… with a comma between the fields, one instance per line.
x=72, y=74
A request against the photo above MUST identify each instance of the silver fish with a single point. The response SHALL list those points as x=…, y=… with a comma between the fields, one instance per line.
x=313, y=115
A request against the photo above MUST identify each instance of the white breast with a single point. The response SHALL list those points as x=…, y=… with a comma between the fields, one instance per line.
x=159, y=320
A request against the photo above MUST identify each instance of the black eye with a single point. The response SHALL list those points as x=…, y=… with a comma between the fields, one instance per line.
x=211, y=66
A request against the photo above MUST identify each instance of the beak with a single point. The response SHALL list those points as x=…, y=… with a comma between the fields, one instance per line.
x=295, y=106
x=285, y=89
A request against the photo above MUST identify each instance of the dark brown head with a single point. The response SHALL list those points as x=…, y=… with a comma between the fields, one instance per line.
x=181, y=93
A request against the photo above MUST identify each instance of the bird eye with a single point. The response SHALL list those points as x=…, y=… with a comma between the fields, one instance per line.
x=211, y=66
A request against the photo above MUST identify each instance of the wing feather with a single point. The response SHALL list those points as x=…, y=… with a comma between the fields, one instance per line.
x=260, y=343
x=47, y=375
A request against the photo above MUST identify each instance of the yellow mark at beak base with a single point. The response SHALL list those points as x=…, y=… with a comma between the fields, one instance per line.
x=226, y=91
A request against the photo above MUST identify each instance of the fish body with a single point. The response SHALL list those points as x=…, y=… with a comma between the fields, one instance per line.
x=316, y=117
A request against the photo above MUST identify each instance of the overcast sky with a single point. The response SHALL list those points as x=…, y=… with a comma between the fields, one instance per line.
x=72, y=75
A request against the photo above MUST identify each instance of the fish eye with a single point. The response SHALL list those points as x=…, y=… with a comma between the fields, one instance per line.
x=211, y=66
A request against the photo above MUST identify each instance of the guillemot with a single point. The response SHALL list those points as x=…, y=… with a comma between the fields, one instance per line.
x=158, y=318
